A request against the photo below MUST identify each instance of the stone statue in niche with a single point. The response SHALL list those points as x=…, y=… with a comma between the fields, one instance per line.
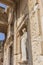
x=23, y=44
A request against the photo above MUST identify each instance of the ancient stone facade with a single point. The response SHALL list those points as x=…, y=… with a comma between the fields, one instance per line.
x=24, y=33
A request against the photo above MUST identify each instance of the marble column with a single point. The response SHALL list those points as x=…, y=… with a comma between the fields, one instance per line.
x=15, y=40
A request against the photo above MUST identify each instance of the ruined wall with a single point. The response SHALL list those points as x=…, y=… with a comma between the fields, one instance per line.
x=34, y=10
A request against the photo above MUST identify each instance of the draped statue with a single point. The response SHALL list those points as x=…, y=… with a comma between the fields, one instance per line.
x=23, y=44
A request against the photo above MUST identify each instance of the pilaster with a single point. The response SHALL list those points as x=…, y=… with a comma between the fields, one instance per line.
x=35, y=35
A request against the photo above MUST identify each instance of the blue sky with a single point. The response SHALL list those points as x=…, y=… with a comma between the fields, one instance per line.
x=2, y=36
x=2, y=5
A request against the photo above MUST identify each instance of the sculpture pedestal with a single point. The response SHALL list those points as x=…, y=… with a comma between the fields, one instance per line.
x=23, y=62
